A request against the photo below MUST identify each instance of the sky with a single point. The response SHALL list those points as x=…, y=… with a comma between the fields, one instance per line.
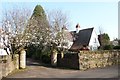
x=88, y=14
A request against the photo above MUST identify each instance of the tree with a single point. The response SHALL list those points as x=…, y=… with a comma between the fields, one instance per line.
x=58, y=20
x=39, y=26
x=101, y=31
x=38, y=32
x=13, y=24
x=104, y=39
x=39, y=12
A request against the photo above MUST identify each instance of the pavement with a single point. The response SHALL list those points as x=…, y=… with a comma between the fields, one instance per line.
x=37, y=70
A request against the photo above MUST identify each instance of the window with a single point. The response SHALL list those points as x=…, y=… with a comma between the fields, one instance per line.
x=95, y=41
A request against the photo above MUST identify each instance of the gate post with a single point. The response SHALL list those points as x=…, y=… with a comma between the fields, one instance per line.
x=22, y=59
x=0, y=68
x=54, y=58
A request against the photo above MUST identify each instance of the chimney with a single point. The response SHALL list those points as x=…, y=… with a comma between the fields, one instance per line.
x=77, y=28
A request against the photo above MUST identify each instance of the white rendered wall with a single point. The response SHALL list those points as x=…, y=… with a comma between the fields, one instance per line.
x=94, y=43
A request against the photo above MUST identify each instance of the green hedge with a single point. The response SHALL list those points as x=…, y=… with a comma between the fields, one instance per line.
x=46, y=59
x=108, y=47
x=116, y=47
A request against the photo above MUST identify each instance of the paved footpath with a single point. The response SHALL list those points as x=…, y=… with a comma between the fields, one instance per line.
x=35, y=70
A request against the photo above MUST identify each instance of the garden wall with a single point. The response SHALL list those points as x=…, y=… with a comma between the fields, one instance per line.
x=69, y=61
x=8, y=64
x=88, y=59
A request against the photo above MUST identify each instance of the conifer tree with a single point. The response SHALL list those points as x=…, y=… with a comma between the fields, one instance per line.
x=38, y=26
x=38, y=31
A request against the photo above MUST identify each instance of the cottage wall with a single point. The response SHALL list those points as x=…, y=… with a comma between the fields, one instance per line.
x=94, y=43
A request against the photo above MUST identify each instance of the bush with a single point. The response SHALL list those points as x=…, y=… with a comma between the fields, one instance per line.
x=46, y=59
x=107, y=47
x=116, y=47
x=30, y=50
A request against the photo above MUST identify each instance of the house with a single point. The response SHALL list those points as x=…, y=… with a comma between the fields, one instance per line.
x=85, y=39
x=115, y=42
x=4, y=49
x=67, y=38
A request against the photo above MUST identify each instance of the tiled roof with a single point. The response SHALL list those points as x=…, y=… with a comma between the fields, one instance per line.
x=82, y=38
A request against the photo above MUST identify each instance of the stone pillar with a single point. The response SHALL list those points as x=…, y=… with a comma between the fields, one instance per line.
x=16, y=60
x=8, y=64
x=22, y=59
x=4, y=66
x=62, y=54
x=0, y=69
x=54, y=58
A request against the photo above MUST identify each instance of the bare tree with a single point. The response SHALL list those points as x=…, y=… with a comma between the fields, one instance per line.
x=101, y=30
x=58, y=20
x=14, y=22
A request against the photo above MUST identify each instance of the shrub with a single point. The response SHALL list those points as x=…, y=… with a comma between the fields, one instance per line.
x=46, y=59
x=116, y=47
x=30, y=50
x=107, y=47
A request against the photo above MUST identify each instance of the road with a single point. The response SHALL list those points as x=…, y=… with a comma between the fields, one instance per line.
x=36, y=70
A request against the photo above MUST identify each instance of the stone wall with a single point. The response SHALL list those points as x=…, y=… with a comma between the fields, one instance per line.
x=0, y=69
x=88, y=59
x=8, y=63
x=68, y=61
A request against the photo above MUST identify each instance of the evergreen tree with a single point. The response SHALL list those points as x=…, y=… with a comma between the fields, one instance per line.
x=38, y=26
x=104, y=40
x=38, y=31
x=39, y=12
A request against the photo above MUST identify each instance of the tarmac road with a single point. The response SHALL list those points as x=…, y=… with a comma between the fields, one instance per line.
x=35, y=70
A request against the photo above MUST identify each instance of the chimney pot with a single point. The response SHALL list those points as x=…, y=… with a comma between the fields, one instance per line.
x=77, y=28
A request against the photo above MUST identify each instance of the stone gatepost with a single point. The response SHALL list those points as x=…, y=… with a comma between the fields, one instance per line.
x=54, y=58
x=0, y=68
x=22, y=59
x=4, y=65
x=16, y=60
x=62, y=54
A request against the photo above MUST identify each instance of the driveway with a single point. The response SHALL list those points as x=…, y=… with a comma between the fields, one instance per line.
x=36, y=70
